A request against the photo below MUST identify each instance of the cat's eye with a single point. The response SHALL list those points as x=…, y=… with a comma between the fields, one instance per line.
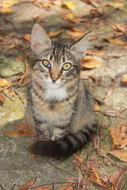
x=46, y=63
x=66, y=66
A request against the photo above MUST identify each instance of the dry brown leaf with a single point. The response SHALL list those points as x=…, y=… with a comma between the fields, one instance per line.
x=96, y=52
x=75, y=32
x=55, y=33
x=4, y=83
x=116, y=177
x=120, y=154
x=28, y=184
x=21, y=130
x=67, y=186
x=97, y=179
x=41, y=188
x=2, y=99
x=120, y=27
x=124, y=79
x=91, y=62
x=119, y=136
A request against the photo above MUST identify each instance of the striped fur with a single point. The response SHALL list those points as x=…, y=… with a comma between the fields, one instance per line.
x=61, y=106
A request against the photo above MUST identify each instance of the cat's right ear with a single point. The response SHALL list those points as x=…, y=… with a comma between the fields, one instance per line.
x=39, y=39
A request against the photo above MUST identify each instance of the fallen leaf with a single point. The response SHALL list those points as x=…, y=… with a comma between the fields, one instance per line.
x=124, y=79
x=28, y=184
x=4, y=83
x=120, y=27
x=120, y=154
x=27, y=37
x=116, y=178
x=96, y=52
x=6, y=10
x=97, y=179
x=71, y=18
x=119, y=136
x=117, y=41
x=55, y=33
x=91, y=62
x=74, y=32
x=116, y=5
x=41, y=188
x=2, y=99
x=69, y=4
x=21, y=130
x=67, y=187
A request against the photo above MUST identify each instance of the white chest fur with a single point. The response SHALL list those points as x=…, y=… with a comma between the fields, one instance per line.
x=54, y=91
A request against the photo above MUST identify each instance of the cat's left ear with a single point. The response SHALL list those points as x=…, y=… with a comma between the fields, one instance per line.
x=81, y=45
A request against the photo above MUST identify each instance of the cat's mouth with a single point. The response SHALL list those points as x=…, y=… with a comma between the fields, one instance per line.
x=53, y=85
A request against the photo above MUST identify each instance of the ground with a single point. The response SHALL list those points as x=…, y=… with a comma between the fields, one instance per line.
x=104, y=72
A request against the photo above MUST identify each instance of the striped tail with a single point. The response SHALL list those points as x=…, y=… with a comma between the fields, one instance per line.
x=66, y=146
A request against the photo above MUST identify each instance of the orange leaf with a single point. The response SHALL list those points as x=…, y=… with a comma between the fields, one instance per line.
x=27, y=37
x=55, y=33
x=28, y=184
x=74, y=32
x=6, y=10
x=124, y=79
x=67, y=187
x=120, y=154
x=91, y=62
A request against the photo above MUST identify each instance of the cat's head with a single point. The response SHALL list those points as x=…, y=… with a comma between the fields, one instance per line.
x=56, y=63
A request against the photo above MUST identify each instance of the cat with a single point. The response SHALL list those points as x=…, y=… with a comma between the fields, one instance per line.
x=61, y=105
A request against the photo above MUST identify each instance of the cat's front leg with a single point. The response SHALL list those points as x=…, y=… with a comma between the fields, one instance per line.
x=42, y=132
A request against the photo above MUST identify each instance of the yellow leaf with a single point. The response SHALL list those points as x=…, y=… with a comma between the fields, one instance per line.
x=9, y=3
x=120, y=154
x=71, y=18
x=124, y=79
x=91, y=62
x=6, y=10
x=4, y=83
x=69, y=4
x=54, y=33
x=117, y=41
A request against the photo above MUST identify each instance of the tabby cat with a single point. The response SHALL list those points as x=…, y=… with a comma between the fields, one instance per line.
x=62, y=108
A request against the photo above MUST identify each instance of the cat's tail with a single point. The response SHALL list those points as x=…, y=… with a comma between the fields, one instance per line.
x=66, y=146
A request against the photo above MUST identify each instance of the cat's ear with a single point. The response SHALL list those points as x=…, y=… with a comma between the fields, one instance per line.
x=81, y=45
x=39, y=39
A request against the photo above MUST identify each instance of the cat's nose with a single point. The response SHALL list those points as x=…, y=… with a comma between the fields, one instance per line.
x=54, y=80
